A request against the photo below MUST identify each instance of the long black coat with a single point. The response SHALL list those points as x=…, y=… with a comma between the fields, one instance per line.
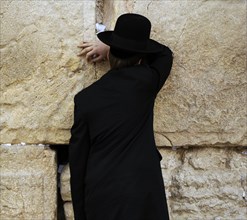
x=114, y=163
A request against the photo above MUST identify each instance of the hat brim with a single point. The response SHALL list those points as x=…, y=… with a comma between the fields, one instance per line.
x=152, y=46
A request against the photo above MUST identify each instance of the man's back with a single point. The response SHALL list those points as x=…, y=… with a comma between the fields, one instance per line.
x=122, y=98
x=123, y=158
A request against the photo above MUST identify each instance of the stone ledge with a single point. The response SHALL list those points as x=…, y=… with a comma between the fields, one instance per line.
x=68, y=209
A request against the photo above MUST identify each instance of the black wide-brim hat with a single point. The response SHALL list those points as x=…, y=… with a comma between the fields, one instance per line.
x=132, y=34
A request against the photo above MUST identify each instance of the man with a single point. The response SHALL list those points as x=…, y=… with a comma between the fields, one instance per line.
x=114, y=163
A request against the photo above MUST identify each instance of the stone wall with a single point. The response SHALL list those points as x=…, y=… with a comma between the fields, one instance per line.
x=200, y=114
x=40, y=70
x=28, y=182
x=200, y=183
x=202, y=103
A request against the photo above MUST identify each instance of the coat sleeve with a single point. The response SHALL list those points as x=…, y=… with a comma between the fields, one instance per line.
x=79, y=146
x=161, y=64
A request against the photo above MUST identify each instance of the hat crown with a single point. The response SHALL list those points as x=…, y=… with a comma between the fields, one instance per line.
x=131, y=33
x=133, y=27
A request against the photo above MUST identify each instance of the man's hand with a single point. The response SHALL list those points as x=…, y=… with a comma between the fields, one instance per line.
x=94, y=51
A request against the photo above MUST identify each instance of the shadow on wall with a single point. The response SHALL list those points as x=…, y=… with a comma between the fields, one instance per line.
x=62, y=160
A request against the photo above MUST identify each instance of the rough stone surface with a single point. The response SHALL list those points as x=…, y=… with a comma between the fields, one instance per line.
x=65, y=184
x=40, y=70
x=204, y=99
x=205, y=183
x=68, y=209
x=200, y=183
x=202, y=103
x=27, y=183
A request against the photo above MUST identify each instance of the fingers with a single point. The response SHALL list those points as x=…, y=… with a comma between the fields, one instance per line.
x=96, y=59
x=90, y=55
x=93, y=51
x=85, y=51
x=85, y=44
x=93, y=57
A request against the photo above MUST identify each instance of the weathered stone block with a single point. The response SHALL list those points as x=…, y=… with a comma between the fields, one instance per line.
x=68, y=209
x=40, y=70
x=205, y=183
x=27, y=182
x=65, y=184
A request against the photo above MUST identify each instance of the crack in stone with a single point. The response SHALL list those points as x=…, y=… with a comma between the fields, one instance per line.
x=99, y=10
x=149, y=5
x=162, y=134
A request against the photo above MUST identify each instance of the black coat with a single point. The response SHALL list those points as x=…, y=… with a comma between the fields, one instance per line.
x=114, y=163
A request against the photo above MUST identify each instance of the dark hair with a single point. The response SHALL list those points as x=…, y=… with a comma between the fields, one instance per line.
x=119, y=59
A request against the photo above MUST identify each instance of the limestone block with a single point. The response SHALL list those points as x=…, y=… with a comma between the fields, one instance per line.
x=40, y=70
x=65, y=184
x=68, y=209
x=204, y=100
x=27, y=182
x=205, y=183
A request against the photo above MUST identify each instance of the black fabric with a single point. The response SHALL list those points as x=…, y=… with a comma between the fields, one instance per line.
x=122, y=54
x=114, y=163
